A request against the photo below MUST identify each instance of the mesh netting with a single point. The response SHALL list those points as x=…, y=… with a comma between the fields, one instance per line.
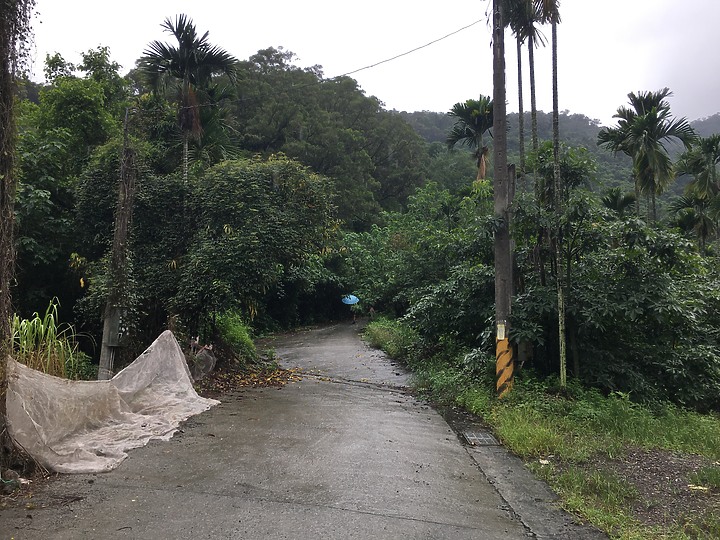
x=87, y=426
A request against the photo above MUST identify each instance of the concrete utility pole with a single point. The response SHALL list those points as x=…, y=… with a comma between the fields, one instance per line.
x=119, y=259
x=502, y=189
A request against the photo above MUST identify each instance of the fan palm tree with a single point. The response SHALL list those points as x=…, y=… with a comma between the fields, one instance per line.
x=642, y=132
x=474, y=118
x=189, y=67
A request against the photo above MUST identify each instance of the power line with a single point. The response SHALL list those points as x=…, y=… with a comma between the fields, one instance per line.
x=410, y=51
x=300, y=86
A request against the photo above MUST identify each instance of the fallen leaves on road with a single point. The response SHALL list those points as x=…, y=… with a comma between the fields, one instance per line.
x=277, y=378
x=226, y=380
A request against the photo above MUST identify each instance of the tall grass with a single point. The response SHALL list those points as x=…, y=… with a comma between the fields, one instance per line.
x=398, y=340
x=42, y=343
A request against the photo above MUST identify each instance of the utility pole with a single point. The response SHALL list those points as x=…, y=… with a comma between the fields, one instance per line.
x=118, y=271
x=502, y=190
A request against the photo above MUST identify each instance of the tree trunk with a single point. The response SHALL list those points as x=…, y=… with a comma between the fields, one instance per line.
x=521, y=113
x=502, y=192
x=654, y=207
x=186, y=138
x=14, y=31
x=481, y=155
x=533, y=103
x=572, y=327
x=558, y=212
x=118, y=294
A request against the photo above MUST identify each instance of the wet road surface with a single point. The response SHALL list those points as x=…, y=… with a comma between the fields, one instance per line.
x=347, y=452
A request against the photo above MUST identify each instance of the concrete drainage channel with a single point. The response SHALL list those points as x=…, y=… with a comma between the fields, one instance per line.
x=480, y=438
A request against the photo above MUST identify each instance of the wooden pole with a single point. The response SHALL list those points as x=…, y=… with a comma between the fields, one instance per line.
x=118, y=261
x=502, y=190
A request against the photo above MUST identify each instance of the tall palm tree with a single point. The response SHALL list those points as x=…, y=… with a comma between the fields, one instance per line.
x=190, y=67
x=515, y=18
x=702, y=161
x=474, y=118
x=523, y=17
x=551, y=14
x=700, y=208
x=642, y=132
x=694, y=214
x=618, y=201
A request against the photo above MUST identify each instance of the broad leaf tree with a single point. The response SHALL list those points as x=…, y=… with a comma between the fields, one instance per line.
x=255, y=222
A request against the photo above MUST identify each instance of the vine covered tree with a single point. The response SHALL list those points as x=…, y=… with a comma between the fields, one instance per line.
x=15, y=18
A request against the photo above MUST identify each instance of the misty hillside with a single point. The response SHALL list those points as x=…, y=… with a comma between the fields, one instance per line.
x=576, y=130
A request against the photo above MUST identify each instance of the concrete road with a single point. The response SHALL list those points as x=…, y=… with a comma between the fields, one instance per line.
x=347, y=452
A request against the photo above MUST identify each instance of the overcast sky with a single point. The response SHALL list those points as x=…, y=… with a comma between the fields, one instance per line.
x=605, y=49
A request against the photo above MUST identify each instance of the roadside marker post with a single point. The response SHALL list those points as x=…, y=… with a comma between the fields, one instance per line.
x=503, y=361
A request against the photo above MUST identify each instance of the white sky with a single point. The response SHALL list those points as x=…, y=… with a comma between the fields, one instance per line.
x=605, y=49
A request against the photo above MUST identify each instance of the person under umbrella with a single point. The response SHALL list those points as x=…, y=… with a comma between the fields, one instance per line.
x=350, y=299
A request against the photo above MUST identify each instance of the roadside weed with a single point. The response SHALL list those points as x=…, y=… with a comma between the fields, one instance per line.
x=42, y=343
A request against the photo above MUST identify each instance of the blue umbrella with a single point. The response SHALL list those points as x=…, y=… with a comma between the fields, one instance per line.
x=350, y=299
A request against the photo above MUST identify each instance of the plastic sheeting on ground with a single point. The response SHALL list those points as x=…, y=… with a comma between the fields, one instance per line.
x=87, y=426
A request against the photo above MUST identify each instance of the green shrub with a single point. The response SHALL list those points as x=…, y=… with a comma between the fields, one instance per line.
x=80, y=367
x=398, y=340
x=236, y=334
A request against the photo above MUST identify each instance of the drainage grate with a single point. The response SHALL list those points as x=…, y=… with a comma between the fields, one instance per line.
x=480, y=438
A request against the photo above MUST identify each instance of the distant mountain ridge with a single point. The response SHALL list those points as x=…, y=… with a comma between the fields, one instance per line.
x=576, y=130
x=707, y=126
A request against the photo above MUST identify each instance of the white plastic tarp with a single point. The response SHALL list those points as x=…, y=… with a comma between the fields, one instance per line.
x=87, y=426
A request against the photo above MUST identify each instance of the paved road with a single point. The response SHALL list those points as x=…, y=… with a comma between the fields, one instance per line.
x=347, y=452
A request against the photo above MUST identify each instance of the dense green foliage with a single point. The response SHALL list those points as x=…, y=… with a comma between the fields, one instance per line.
x=254, y=235
x=255, y=222
x=642, y=301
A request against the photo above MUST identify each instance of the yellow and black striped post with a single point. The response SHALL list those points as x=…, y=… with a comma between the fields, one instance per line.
x=503, y=362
